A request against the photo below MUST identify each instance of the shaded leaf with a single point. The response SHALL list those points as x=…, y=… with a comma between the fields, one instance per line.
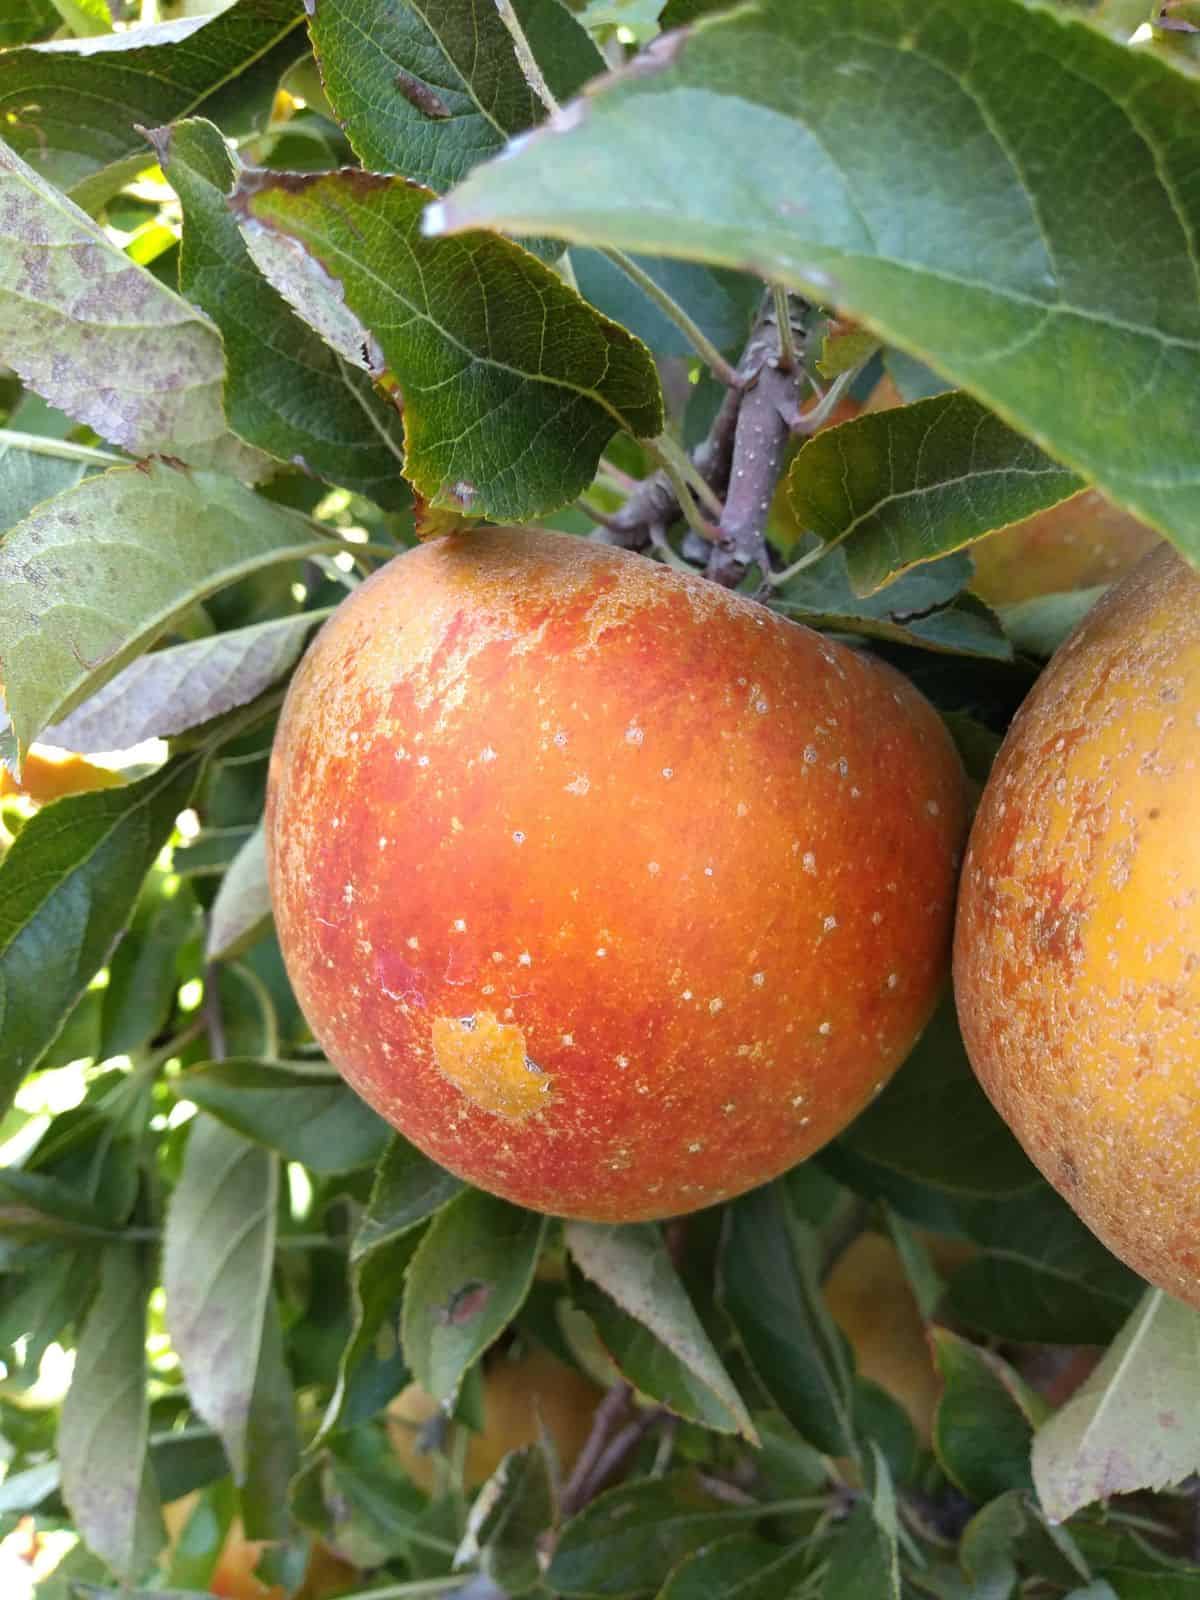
x=286, y=392
x=242, y=909
x=1135, y=1423
x=272, y=1437
x=964, y=220
x=168, y=691
x=356, y=1494
x=722, y=304
x=25, y=20
x=864, y=1563
x=142, y=978
x=103, y=1435
x=770, y=1290
x=905, y=1128
x=983, y=1427
x=489, y=348
x=36, y=1206
x=738, y=1568
x=1044, y=1276
x=34, y=469
x=91, y=98
x=68, y=886
x=655, y=1336
x=1039, y=625
x=628, y=1540
x=218, y=1252
x=98, y=336
x=904, y=486
x=303, y=1115
x=430, y=90
x=988, y=1551
x=409, y=1188
x=89, y=579
x=924, y=608
x=464, y=1285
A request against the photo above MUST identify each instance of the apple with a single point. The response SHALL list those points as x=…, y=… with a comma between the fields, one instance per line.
x=53, y=775
x=519, y=1398
x=1077, y=949
x=615, y=892
x=1081, y=543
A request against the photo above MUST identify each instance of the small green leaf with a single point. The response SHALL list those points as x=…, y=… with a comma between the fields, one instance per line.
x=900, y=487
x=722, y=304
x=272, y=1437
x=963, y=218
x=1135, y=1423
x=983, y=1428
x=303, y=1115
x=169, y=691
x=770, y=1290
x=863, y=1564
x=99, y=336
x=218, y=1254
x=25, y=20
x=68, y=886
x=142, y=979
x=241, y=912
x=91, y=99
x=85, y=18
x=356, y=1494
x=649, y=1326
x=628, y=1540
x=430, y=90
x=286, y=392
x=490, y=348
x=465, y=1283
x=988, y=1552
x=905, y=1128
x=513, y=1508
x=104, y=1432
x=89, y=579
x=409, y=1188
x=36, y=1206
x=1039, y=625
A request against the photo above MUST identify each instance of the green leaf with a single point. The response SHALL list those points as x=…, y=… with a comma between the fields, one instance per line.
x=241, y=912
x=272, y=1437
x=1044, y=1278
x=409, y=1188
x=1135, y=1423
x=35, y=1206
x=988, y=1549
x=286, y=392
x=356, y=1494
x=489, y=348
x=738, y=1568
x=33, y=469
x=1039, y=625
x=103, y=1435
x=89, y=579
x=85, y=18
x=964, y=219
x=924, y=608
x=514, y=1507
x=169, y=691
x=863, y=1564
x=466, y=1282
x=142, y=978
x=983, y=1428
x=430, y=89
x=770, y=1290
x=649, y=1326
x=92, y=98
x=905, y=1129
x=96, y=334
x=24, y=20
x=68, y=887
x=628, y=1540
x=900, y=487
x=303, y=1115
x=217, y=1259
x=722, y=304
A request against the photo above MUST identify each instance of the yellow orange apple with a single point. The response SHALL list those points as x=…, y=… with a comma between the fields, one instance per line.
x=1077, y=951
x=616, y=892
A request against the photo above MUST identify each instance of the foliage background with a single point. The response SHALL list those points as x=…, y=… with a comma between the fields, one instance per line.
x=227, y=396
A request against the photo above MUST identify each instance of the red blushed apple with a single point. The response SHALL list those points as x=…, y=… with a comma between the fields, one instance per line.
x=615, y=892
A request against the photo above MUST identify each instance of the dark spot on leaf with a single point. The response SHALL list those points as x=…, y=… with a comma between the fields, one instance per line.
x=427, y=101
x=464, y=1304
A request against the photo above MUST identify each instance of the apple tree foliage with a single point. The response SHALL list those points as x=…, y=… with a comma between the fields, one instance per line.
x=285, y=286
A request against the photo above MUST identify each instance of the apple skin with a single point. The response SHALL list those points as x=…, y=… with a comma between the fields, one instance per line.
x=685, y=868
x=1077, y=948
x=1084, y=542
